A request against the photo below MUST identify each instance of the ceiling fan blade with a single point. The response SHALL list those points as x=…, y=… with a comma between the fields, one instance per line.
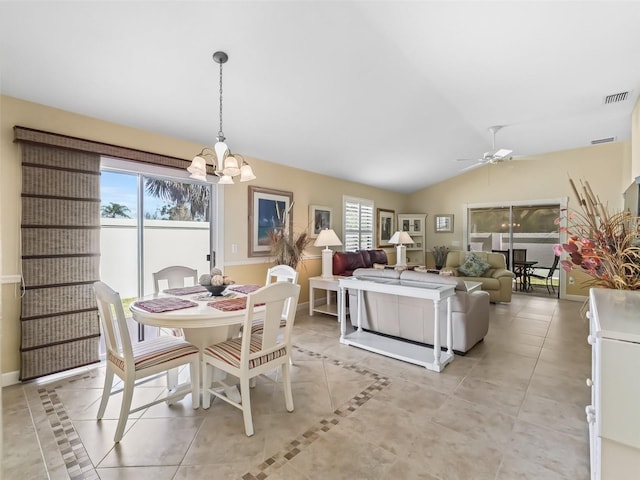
x=475, y=165
x=503, y=152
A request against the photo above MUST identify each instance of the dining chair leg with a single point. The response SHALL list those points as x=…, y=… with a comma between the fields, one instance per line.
x=172, y=378
x=246, y=406
x=286, y=385
x=127, y=396
x=106, y=392
x=206, y=385
x=194, y=377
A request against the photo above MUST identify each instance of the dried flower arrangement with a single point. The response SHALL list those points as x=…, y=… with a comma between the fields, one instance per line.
x=603, y=245
x=287, y=251
x=440, y=256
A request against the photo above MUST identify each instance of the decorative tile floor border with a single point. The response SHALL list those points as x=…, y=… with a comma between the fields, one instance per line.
x=78, y=463
x=316, y=431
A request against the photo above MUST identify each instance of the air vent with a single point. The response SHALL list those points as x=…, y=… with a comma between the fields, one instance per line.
x=603, y=140
x=616, y=98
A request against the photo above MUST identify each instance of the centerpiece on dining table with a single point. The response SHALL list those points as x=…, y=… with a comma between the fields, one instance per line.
x=215, y=282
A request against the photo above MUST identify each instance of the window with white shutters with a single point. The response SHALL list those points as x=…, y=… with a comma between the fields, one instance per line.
x=358, y=224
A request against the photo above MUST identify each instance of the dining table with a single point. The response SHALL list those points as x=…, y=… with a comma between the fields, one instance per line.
x=524, y=270
x=204, y=319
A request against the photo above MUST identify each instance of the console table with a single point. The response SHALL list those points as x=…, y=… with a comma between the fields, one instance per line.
x=428, y=357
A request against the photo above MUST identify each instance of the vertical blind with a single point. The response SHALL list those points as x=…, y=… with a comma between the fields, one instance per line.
x=358, y=224
x=60, y=259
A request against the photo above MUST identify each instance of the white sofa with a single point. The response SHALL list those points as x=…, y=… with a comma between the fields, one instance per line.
x=412, y=318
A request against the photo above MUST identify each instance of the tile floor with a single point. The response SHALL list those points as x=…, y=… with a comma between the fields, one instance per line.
x=512, y=408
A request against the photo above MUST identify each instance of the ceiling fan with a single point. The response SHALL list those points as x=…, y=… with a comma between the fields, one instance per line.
x=492, y=156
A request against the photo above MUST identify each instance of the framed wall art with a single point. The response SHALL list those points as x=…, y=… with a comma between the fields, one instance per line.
x=320, y=217
x=385, y=226
x=270, y=213
x=444, y=223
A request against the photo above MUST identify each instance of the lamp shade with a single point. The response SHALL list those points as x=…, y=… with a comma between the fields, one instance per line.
x=246, y=173
x=198, y=168
x=327, y=238
x=401, y=238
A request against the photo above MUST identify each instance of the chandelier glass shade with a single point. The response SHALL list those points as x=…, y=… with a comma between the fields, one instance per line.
x=225, y=164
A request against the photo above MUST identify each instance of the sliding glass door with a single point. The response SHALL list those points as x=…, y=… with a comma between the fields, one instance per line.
x=531, y=228
x=151, y=221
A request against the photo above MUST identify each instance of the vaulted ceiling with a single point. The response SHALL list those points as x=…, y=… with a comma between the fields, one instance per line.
x=389, y=94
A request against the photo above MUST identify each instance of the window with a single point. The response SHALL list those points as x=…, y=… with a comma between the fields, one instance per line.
x=358, y=224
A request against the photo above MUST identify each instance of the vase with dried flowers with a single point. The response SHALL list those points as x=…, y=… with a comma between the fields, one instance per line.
x=440, y=256
x=286, y=250
x=603, y=245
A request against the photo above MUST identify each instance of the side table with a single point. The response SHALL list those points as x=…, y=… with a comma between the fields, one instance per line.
x=330, y=284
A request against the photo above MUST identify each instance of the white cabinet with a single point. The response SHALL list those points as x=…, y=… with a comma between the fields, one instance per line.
x=415, y=225
x=614, y=413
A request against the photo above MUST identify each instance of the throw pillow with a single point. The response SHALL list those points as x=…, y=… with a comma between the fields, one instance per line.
x=473, y=266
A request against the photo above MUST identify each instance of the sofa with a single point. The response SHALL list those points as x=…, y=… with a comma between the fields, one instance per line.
x=344, y=263
x=412, y=318
x=496, y=279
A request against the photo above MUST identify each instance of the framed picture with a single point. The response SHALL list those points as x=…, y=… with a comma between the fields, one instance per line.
x=444, y=223
x=269, y=212
x=385, y=226
x=319, y=218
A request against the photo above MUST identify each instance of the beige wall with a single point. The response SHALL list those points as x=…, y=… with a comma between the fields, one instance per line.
x=606, y=167
x=635, y=142
x=307, y=189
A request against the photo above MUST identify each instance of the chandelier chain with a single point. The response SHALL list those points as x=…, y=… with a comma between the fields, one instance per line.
x=220, y=133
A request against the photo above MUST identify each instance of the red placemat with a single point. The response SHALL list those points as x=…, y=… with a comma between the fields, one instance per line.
x=230, y=304
x=185, y=290
x=246, y=289
x=167, y=304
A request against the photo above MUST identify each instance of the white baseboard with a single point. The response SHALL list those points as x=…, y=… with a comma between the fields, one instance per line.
x=10, y=378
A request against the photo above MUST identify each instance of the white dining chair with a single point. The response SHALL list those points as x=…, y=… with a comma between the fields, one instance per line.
x=248, y=356
x=136, y=364
x=278, y=273
x=175, y=276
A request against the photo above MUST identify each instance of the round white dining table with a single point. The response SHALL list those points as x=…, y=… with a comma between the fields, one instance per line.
x=202, y=326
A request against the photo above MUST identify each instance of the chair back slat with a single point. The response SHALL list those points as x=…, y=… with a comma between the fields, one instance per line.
x=273, y=298
x=281, y=273
x=114, y=323
x=175, y=277
x=519, y=255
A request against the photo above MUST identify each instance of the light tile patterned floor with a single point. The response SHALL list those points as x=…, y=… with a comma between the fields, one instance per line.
x=512, y=408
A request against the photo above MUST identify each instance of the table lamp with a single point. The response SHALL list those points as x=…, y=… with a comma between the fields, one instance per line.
x=400, y=238
x=327, y=238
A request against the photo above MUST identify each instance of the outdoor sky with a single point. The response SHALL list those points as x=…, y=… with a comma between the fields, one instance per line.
x=121, y=188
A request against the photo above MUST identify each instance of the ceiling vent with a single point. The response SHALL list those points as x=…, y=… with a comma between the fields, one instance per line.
x=603, y=140
x=616, y=98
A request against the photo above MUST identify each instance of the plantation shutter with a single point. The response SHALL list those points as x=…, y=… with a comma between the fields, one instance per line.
x=358, y=224
x=60, y=259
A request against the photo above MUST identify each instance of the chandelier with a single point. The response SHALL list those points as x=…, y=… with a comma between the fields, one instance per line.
x=225, y=164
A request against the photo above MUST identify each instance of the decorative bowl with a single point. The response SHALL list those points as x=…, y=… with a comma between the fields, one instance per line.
x=215, y=290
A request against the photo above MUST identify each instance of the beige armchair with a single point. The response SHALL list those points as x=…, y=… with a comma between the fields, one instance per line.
x=498, y=281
